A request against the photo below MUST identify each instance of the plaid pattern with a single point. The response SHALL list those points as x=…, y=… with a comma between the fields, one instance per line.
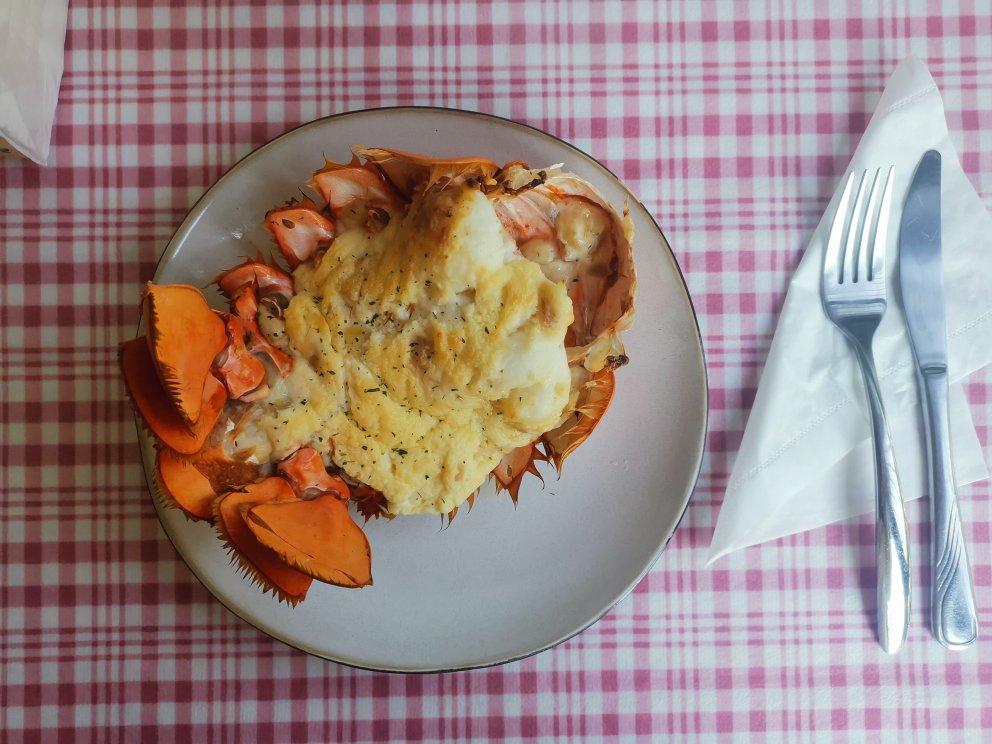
x=731, y=121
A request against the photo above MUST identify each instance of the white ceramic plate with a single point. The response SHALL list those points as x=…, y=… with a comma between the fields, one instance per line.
x=500, y=583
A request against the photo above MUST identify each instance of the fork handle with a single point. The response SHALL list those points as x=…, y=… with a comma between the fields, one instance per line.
x=891, y=545
x=952, y=595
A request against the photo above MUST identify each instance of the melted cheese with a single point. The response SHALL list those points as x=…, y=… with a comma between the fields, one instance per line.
x=424, y=352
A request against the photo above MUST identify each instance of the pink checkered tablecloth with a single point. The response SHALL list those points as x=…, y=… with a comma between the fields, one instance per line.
x=732, y=122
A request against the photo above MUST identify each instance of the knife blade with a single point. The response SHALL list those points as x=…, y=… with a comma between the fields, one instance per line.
x=920, y=266
x=952, y=602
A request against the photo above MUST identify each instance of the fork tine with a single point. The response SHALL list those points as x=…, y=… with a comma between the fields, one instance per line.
x=880, y=243
x=848, y=271
x=862, y=264
x=832, y=257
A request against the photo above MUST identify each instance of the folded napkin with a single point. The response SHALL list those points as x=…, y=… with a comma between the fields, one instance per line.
x=32, y=38
x=806, y=456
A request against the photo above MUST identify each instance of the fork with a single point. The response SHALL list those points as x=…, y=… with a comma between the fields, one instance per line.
x=853, y=293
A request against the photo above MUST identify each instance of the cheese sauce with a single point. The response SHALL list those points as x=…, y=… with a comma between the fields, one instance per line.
x=423, y=353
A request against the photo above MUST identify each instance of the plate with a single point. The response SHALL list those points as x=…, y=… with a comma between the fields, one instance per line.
x=500, y=583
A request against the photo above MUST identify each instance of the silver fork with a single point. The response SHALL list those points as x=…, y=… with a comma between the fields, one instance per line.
x=853, y=292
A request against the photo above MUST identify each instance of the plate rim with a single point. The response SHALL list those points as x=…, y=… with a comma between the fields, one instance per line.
x=189, y=222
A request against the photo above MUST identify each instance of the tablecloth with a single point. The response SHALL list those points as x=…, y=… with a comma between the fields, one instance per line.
x=731, y=121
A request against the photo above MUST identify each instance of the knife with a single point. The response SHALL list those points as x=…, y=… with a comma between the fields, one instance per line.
x=952, y=598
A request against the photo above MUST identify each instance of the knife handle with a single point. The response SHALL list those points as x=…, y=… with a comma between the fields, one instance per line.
x=952, y=594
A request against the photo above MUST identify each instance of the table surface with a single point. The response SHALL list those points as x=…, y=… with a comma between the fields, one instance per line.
x=731, y=125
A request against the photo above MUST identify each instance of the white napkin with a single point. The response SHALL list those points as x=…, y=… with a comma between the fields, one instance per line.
x=32, y=41
x=806, y=456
